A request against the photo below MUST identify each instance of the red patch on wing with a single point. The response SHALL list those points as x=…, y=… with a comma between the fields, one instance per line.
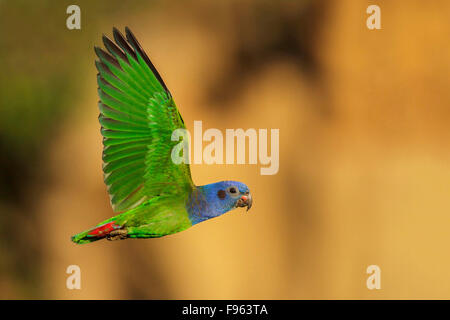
x=104, y=229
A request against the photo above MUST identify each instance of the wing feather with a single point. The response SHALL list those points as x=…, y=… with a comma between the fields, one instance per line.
x=137, y=116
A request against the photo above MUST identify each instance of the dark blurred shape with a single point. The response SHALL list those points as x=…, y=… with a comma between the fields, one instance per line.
x=266, y=31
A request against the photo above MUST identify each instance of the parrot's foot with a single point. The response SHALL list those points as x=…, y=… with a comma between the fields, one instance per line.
x=119, y=234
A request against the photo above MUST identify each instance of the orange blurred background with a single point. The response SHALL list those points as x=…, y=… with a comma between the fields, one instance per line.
x=364, y=149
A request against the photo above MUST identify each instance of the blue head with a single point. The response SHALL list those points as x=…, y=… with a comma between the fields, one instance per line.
x=215, y=199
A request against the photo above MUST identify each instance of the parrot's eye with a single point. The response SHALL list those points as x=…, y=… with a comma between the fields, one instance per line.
x=221, y=194
x=233, y=191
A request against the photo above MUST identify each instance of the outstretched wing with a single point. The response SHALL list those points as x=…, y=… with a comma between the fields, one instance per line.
x=138, y=116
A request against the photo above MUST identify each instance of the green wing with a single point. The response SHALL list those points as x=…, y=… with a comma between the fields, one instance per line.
x=138, y=116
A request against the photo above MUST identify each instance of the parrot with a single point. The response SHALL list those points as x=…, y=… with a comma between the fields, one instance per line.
x=151, y=195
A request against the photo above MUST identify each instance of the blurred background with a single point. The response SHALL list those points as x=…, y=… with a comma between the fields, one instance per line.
x=364, y=171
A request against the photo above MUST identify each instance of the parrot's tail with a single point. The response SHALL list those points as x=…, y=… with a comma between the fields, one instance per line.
x=98, y=232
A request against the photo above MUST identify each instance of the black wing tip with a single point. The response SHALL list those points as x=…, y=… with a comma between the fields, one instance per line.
x=114, y=49
x=122, y=46
x=98, y=65
x=117, y=34
x=128, y=30
x=105, y=56
x=97, y=50
x=105, y=39
x=132, y=39
x=138, y=48
x=101, y=54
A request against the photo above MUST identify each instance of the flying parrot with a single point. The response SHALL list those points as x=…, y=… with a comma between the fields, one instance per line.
x=152, y=196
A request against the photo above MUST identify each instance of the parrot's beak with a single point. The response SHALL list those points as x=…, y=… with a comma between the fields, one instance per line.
x=245, y=201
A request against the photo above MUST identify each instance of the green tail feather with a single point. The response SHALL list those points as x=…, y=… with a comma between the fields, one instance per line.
x=83, y=237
